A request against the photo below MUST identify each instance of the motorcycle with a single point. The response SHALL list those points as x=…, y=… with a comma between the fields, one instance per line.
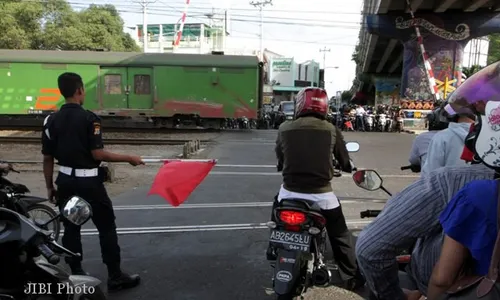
x=370, y=180
x=244, y=123
x=27, y=205
x=369, y=122
x=267, y=121
x=299, y=238
x=382, y=122
x=399, y=124
x=29, y=258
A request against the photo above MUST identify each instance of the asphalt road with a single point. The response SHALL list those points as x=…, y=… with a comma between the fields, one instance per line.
x=212, y=247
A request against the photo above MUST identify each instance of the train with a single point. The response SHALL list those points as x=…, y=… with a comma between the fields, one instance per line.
x=159, y=90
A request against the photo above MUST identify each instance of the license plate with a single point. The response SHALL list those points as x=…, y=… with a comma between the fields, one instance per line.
x=291, y=240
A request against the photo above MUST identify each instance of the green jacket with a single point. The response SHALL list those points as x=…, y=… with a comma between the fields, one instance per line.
x=306, y=147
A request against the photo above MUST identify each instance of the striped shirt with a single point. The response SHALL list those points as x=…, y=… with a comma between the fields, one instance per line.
x=411, y=216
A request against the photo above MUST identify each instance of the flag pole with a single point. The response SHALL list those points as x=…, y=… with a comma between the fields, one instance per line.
x=159, y=160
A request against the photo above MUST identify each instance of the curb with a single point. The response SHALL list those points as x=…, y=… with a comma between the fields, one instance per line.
x=409, y=131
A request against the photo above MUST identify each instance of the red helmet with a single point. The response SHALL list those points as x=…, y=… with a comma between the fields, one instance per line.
x=311, y=101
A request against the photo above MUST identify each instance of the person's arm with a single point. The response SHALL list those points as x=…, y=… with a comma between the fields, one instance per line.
x=340, y=151
x=467, y=233
x=48, y=151
x=435, y=155
x=414, y=154
x=97, y=146
x=447, y=269
x=279, y=152
x=406, y=217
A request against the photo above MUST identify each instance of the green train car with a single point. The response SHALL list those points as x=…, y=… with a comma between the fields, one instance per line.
x=160, y=88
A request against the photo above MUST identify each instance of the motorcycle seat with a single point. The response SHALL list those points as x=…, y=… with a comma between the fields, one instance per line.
x=300, y=203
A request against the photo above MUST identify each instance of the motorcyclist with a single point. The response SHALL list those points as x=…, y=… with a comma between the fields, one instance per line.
x=304, y=149
x=411, y=217
x=436, y=121
x=446, y=146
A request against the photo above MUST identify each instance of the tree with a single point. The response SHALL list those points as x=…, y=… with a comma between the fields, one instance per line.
x=469, y=71
x=494, y=48
x=53, y=24
x=346, y=96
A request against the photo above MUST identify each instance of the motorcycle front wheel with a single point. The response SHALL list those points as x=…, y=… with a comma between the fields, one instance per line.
x=41, y=214
x=98, y=294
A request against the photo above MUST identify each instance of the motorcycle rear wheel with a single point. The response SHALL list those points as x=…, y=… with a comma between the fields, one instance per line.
x=54, y=226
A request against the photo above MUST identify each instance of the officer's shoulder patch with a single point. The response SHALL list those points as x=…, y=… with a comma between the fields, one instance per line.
x=97, y=128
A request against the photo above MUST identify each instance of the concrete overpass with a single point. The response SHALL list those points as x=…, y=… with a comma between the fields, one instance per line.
x=387, y=31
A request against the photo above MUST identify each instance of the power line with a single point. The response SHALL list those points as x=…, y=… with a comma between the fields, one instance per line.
x=261, y=5
x=324, y=50
x=144, y=4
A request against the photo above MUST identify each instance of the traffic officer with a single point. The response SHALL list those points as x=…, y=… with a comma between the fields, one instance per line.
x=73, y=136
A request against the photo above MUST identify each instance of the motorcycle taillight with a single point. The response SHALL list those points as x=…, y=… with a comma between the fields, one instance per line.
x=291, y=217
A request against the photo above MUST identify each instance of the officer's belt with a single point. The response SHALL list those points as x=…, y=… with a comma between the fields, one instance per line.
x=79, y=172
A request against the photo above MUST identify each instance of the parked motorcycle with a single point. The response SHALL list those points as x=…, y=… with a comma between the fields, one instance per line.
x=299, y=238
x=29, y=256
x=15, y=198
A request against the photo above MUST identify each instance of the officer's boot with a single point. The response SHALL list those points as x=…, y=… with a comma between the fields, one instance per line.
x=76, y=269
x=118, y=280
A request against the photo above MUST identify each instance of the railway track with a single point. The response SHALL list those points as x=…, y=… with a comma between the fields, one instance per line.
x=117, y=129
x=37, y=140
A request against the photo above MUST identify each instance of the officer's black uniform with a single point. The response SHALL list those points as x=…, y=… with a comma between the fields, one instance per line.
x=70, y=135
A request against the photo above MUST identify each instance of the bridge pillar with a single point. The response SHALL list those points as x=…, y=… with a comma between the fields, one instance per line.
x=444, y=36
x=386, y=90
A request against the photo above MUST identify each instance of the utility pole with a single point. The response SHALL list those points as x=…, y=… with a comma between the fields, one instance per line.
x=324, y=50
x=261, y=5
x=144, y=4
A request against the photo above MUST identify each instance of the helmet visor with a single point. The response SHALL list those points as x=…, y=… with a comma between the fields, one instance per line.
x=472, y=95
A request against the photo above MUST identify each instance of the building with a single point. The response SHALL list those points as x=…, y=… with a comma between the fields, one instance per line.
x=288, y=77
x=476, y=52
x=197, y=38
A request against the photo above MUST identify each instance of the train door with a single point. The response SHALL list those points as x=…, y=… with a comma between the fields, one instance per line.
x=113, y=84
x=140, y=87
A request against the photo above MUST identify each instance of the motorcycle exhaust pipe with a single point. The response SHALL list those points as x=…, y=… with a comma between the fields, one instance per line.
x=321, y=276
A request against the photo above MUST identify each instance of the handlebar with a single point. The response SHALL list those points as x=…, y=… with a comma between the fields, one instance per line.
x=413, y=168
x=48, y=254
x=369, y=213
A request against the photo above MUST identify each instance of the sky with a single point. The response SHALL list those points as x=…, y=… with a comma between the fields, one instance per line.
x=292, y=28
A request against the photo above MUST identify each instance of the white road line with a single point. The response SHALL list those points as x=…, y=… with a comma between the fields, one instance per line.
x=279, y=174
x=221, y=205
x=245, y=166
x=352, y=224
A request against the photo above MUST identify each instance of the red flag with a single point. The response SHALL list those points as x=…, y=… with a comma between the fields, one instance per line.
x=176, y=180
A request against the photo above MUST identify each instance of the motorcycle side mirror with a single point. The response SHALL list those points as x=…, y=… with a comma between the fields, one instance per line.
x=367, y=179
x=77, y=211
x=352, y=146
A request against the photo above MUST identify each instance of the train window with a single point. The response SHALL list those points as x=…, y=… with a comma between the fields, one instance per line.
x=142, y=85
x=113, y=84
